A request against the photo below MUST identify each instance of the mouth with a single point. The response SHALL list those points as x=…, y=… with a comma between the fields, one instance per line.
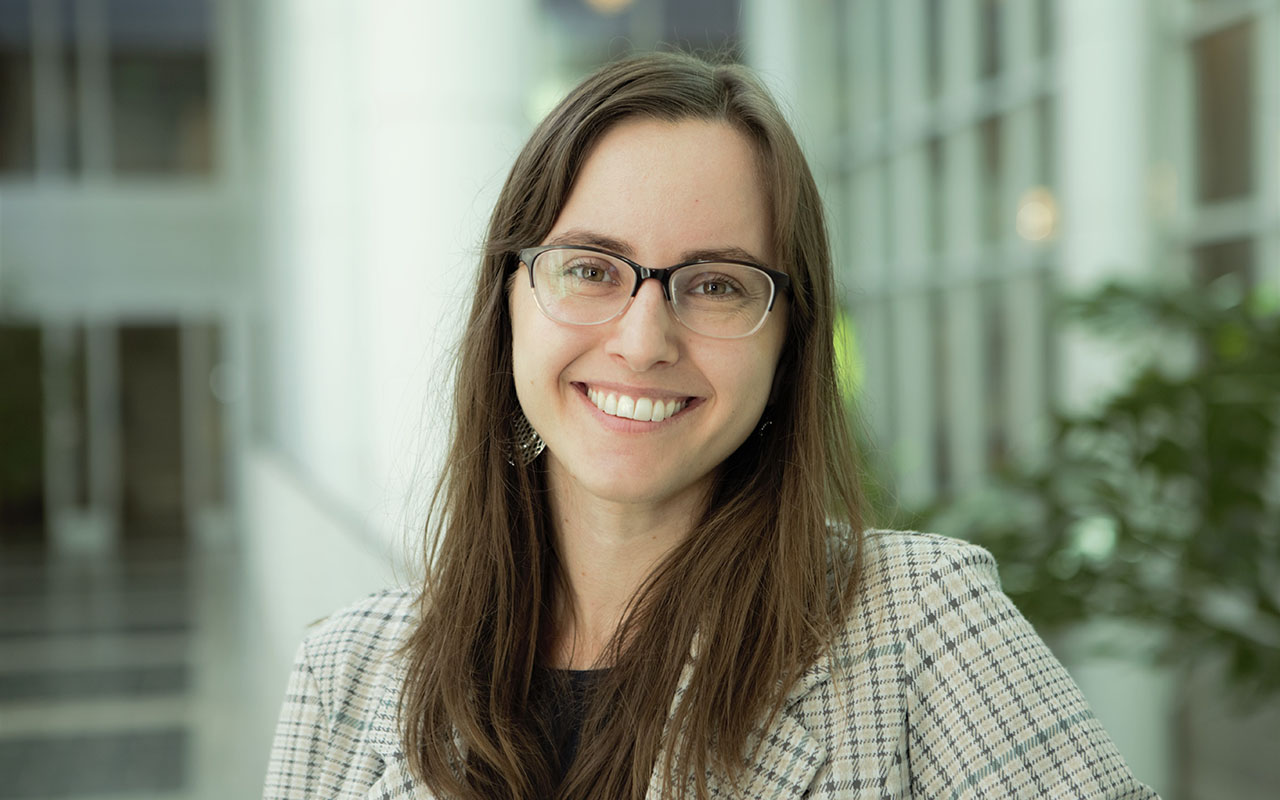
x=641, y=409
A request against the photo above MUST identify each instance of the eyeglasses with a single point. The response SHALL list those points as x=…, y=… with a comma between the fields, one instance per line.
x=583, y=285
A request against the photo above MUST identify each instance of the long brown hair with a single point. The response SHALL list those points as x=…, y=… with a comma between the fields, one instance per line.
x=783, y=516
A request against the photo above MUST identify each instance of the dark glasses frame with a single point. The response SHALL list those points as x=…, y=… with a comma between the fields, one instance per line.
x=780, y=280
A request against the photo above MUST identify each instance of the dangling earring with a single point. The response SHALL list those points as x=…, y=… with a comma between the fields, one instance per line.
x=763, y=427
x=528, y=445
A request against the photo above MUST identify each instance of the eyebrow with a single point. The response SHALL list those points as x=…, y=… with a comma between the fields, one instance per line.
x=604, y=242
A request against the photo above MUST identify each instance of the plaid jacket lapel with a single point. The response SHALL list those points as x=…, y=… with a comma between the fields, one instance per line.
x=384, y=739
x=787, y=756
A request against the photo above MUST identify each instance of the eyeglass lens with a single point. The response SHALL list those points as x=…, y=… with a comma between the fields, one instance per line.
x=583, y=287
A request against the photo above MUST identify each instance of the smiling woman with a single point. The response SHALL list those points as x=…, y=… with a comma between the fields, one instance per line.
x=646, y=574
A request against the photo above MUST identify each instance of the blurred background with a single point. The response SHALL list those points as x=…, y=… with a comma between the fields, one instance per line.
x=237, y=237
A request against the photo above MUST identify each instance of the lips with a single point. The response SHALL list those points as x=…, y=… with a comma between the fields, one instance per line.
x=643, y=409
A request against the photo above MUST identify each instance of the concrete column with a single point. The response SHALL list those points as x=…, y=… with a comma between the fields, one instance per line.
x=1025, y=326
x=1105, y=234
x=440, y=129
x=772, y=44
x=204, y=443
x=90, y=528
x=1267, y=74
x=394, y=126
x=962, y=242
x=1103, y=156
x=860, y=235
x=391, y=126
x=793, y=45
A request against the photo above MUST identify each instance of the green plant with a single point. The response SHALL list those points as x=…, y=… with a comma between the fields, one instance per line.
x=1163, y=504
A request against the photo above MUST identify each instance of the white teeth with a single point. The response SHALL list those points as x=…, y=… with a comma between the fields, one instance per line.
x=643, y=408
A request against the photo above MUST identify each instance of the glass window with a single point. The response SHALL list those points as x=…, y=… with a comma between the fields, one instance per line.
x=1046, y=25
x=160, y=97
x=933, y=43
x=1046, y=142
x=17, y=122
x=993, y=222
x=991, y=34
x=1224, y=269
x=1214, y=261
x=22, y=432
x=884, y=58
x=60, y=109
x=937, y=195
x=939, y=359
x=1049, y=359
x=1224, y=112
x=995, y=374
x=861, y=45
x=703, y=26
x=151, y=436
x=38, y=131
x=68, y=137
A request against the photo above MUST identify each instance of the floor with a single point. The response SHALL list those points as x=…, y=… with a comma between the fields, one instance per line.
x=120, y=673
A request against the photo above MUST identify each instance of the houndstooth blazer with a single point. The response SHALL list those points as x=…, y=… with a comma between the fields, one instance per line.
x=938, y=689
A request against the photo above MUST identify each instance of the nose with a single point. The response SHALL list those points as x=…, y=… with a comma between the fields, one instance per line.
x=645, y=336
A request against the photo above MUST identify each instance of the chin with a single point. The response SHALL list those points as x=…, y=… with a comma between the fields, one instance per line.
x=615, y=480
x=627, y=491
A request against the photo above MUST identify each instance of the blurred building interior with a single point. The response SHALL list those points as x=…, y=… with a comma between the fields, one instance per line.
x=236, y=241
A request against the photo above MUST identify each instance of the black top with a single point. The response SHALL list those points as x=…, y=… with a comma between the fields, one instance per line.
x=559, y=698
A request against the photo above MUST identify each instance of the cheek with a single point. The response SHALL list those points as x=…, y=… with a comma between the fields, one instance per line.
x=768, y=357
x=745, y=381
x=761, y=389
x=540, y=351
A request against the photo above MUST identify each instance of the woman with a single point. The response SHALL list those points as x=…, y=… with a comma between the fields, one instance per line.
x=645, y=577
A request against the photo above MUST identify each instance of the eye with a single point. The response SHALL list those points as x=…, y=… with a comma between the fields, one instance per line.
x=588, y=271
x=713, y=285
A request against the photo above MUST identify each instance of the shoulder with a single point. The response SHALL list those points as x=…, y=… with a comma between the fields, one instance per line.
x=918, y=591
x=377, y=618
x=907, y=583
x=902, y=572
x=898, y=575
x=963, y=695
x=894, y=556
x=905, y=579
x=354, y=651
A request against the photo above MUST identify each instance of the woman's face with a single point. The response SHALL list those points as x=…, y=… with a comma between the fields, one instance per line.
x=655, y=192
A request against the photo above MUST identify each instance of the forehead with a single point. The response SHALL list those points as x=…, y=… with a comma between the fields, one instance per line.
x=664, y=188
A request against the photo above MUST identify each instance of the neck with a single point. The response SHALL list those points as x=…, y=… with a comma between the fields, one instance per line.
x=607, y=550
